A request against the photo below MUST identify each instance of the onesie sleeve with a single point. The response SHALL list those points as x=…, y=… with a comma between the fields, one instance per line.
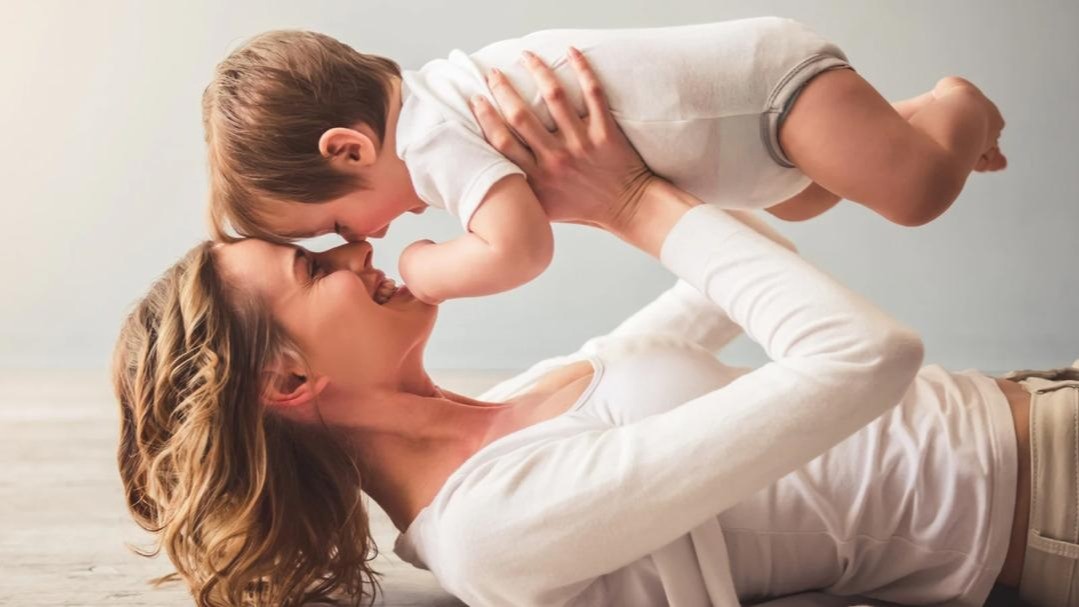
x=562, y=512
x=452, y=168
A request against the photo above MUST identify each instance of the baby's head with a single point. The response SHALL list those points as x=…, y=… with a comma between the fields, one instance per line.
x=299, y=131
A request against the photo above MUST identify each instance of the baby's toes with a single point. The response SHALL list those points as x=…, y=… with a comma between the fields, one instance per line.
x=992, y=160
x=999, y=162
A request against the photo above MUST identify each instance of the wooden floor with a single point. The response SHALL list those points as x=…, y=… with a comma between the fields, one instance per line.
x=63, y=523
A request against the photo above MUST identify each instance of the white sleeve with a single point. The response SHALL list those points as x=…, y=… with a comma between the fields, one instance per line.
x=684, y=312
x=452, y=168
x=565, y=511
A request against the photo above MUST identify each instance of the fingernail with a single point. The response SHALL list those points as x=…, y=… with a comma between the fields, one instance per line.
x=529, y=56
x=493, y=73
x=476, y=100
x=574, y=52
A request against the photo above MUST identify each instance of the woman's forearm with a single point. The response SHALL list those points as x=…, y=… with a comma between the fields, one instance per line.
x=658, y=209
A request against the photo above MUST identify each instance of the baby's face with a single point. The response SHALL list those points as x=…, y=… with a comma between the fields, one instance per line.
x=357, y=215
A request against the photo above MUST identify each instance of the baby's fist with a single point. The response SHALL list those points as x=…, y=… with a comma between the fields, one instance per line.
x=411, y=268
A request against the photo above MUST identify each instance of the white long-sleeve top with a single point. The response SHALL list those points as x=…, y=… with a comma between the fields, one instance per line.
x=562, y=512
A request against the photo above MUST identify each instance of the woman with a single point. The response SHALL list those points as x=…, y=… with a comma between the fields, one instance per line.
x=263, y=387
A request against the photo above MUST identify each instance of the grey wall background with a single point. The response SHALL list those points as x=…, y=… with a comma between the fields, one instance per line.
x=104, y=181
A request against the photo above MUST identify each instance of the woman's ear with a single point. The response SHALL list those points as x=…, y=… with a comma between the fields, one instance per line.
x=348, y=149
x=289, y=385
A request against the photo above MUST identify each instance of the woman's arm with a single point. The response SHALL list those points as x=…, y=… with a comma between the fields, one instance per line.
x=684, y=312
x=577, y=189
x=569, y=510
x=563, y=512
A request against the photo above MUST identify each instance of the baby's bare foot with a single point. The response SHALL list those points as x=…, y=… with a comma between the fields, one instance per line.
x=992, y=159
x=951, y=84
x=907, y=108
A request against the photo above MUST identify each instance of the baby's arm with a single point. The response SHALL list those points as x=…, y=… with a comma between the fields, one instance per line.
x=509, y=242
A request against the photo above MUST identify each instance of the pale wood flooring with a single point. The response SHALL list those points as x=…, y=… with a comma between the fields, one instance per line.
x=63, y=523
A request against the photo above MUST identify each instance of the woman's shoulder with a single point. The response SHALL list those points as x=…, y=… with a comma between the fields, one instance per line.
x=625, y=351
x=520, y=382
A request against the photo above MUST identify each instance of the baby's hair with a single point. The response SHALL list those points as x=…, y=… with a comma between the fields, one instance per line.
x=263, y=113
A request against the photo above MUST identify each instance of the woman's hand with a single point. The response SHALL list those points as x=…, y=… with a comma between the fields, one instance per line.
x=586, y=171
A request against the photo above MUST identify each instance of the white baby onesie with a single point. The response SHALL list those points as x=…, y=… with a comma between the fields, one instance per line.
x=701, y=103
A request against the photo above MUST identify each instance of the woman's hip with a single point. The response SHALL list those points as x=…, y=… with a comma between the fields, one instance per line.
x=1048, y=538
x=915, y=508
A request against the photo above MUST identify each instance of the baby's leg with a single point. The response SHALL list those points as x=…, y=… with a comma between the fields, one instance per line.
x=806, y=204
x=851, y=142
x=814, y=199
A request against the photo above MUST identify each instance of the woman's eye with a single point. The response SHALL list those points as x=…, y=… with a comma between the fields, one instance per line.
x=314, y=269
x=336, y=228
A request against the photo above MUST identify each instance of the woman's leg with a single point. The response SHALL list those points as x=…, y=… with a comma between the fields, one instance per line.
x=849, y=140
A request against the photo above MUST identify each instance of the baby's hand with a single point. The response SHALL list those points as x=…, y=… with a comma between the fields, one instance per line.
x=411, y=271
x=992, y=159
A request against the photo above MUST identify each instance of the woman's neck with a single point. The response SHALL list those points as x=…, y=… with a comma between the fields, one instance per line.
x=409, y=453
x=405, y=464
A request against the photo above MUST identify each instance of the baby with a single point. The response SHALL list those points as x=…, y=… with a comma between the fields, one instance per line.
x=307, y=136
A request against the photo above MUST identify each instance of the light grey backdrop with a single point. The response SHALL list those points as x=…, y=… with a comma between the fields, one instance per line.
x=104, y=181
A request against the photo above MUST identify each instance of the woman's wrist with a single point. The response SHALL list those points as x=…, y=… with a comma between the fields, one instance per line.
x=647, y=222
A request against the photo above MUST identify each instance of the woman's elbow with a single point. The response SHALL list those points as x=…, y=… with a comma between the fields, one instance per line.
x=908, y=350
x=900, y=355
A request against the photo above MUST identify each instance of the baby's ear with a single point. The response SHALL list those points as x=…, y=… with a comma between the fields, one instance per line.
x=287, y=384
x=348, y=149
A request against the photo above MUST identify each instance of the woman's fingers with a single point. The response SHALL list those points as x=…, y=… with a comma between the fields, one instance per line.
x=595, y=100
x=517, y=113
x=565, y=116
x=499, y=135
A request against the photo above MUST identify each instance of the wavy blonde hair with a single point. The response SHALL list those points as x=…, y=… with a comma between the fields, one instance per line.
x=251, y=508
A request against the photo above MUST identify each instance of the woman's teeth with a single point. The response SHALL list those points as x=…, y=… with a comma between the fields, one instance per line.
x=384, y=291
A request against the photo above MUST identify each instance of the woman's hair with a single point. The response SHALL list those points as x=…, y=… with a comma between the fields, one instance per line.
x=251, y=508
x=264, y=111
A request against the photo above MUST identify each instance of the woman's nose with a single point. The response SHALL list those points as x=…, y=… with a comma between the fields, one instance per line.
x=354, y=256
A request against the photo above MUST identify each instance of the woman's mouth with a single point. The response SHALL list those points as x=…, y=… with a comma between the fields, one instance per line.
x=384, y=291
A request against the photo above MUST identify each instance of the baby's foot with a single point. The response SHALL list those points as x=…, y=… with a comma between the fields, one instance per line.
x=992, y=159
x=907, y=108
x=950, y=84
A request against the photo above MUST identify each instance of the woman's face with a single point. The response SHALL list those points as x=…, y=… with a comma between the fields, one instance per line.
x=352, y=326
